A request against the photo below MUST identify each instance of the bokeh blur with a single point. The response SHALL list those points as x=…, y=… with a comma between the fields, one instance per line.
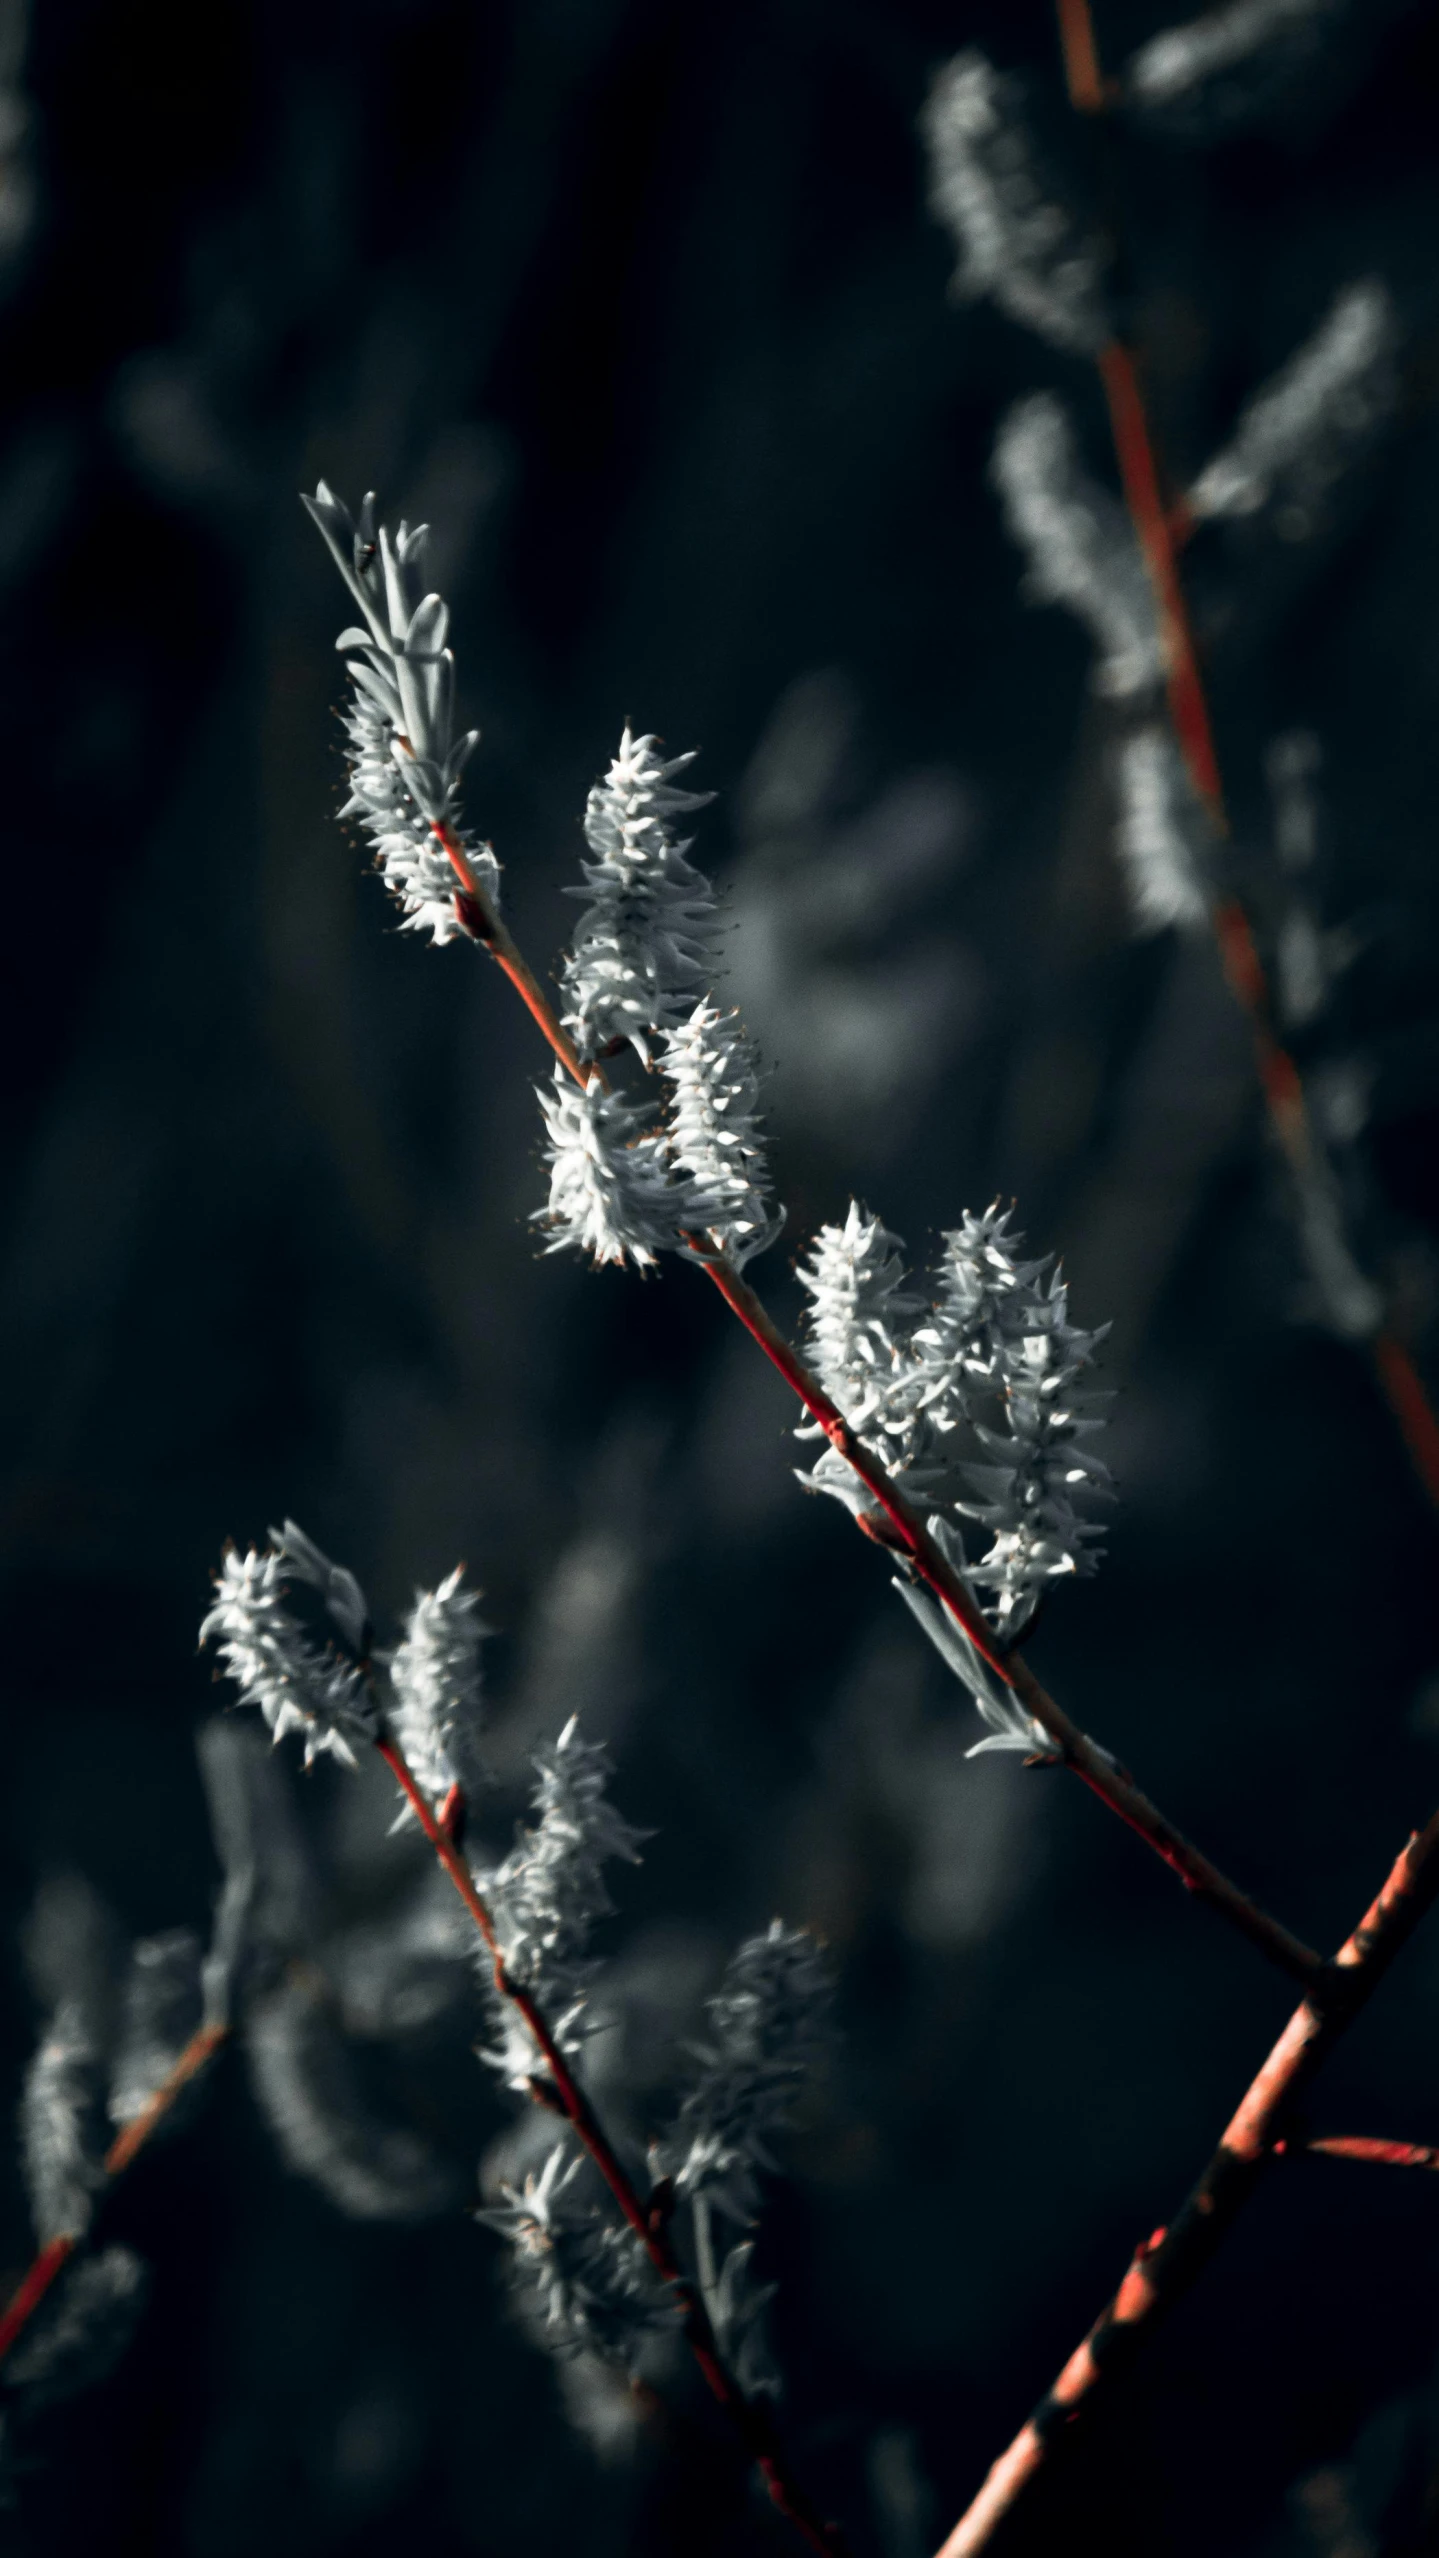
x=640, y=306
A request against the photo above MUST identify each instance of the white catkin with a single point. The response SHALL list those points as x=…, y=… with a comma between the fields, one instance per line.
x=581, y=2275
x=1161, y=833
x=160, y=2010
x=644, y=947
x=435, y=1689
x=613, y=1192
x=1296, y=435
x=76, y=1957
x=1015, y=241
x=59, y=2107
x=269, y=1906
x=1180, y=59
x=713, y=1129
x=306, y=2088
x=1080, y=545
x=297, y=1685
x=405, y=755
x=768, y=2028
x=547, y=1895
x=80, y=2332
x=858, y=1308
x=769, y=2025
x=978, y=1393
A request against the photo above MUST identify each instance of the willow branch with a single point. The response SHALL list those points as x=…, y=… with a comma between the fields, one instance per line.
x=910, y=1538
x=1165, y=2265
x=904, y=1530
x=908, y=1535
x=1162, y=530
x=562, y=2092
x=52, y=2258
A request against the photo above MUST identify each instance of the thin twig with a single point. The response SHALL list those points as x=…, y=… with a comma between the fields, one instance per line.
x=1366, y=2152
x=476, y=915
x=1162, y=530
x=912, y=1540
x=1081, y=57
x=126, y=2146
x=1166, y=2264
x=42, y=2271
x=751, y=2422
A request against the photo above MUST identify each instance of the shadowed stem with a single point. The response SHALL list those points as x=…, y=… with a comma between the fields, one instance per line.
x=907, y=1535
x=1166, y=2264
x=645, y=2214
x=126, y=2146
x=1162, y=530
x=1081, y=57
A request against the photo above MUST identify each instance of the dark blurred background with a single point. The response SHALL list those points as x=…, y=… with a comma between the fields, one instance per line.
x=640, y=306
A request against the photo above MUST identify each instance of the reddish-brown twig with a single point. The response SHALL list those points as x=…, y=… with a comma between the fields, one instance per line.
x=1081, y=57
x=561, y=2092
x=1162, y=530
x=477, y=917
x=125, y=2147
x=1364, y=2151
x=908, y=1536
x=1166, y=2264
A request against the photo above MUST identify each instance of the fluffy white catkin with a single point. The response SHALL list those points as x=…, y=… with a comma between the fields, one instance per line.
x=1296, y=435
x=306, y=2087
x=58, y=2108
x=298, y=1685
x=1080, y=545
x=405, y=756
x=614, y=1193
x=160, y=2009
x=549, y=1892
x=768, y=2027
x=975, y=1401
x=82, y=2328
x=1016, y=241
x=1181, y=59
x=644, y=947
x=435, y=1689
x=713, y=1130
x=583, y=2275
x=1161, y=832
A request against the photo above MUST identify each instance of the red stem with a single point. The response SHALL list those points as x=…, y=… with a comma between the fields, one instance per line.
x=1165, y=2264
x=1400, y=1383
x=751, y=2422
x=477, y=916
x=23, y=2305
x=125, y=2147
x=1368, y=2153
x=1087, y=91
x=911, y=1538
x=1134, y=452
x=1162, y=530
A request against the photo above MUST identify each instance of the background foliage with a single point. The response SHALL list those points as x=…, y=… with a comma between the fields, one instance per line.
x=640, y=306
